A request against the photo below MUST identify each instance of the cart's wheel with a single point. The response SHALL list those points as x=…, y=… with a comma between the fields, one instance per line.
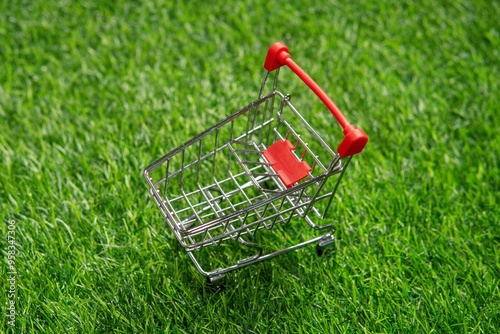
x=217, y=282
x=320, y=250
x=328, y=242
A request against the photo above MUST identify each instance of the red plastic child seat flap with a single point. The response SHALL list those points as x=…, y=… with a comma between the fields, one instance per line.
x=285, y=163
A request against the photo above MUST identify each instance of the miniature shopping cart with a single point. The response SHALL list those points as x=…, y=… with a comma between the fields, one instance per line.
x=257, y=184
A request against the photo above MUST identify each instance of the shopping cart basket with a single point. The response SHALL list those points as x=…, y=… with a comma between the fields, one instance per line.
x=263, y=170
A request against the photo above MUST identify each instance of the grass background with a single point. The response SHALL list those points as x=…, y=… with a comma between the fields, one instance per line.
x=91, y=92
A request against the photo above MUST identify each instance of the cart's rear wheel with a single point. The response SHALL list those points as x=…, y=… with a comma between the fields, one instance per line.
x=328, y=242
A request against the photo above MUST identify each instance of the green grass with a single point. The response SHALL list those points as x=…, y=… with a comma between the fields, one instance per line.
x=91, y=93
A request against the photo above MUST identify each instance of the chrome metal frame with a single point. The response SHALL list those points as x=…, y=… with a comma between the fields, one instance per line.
x=218, y=187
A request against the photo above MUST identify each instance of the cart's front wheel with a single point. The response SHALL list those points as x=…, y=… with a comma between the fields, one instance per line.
x=217, y=282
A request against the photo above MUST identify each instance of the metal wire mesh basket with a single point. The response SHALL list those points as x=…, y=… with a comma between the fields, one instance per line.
x=259, y=169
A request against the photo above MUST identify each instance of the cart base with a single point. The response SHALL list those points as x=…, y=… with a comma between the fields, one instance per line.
x=216, y=279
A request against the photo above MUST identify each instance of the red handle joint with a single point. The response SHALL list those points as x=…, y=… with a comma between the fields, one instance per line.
x=276, y=56
x=354, y=141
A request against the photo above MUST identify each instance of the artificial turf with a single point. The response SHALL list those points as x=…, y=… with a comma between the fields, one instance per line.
x=91, y=92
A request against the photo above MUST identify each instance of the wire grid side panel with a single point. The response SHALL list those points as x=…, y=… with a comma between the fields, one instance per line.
x=204, y=180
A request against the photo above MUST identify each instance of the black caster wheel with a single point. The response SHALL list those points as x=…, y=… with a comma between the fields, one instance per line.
x=216, y=283
x=324, y=244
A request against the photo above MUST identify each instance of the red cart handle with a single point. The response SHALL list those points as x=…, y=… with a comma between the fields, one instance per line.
x=354, y=139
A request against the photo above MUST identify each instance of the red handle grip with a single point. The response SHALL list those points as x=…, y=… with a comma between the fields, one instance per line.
x=354, y=139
